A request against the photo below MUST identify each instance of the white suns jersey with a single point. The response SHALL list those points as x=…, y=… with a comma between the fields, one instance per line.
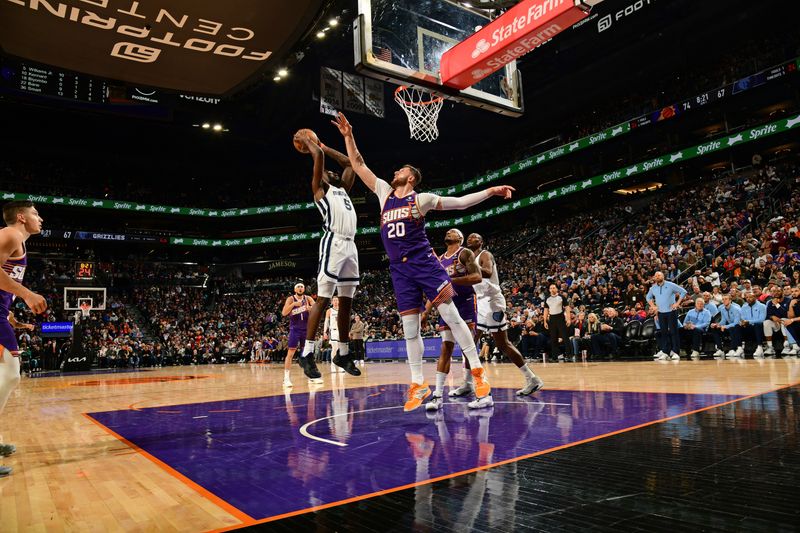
x=333, y=325
x=338, y=215
x=488, y=287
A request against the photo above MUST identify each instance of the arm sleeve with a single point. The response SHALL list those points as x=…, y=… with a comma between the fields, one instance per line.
x=427, y=202
x=450, y=203
x=382, y=190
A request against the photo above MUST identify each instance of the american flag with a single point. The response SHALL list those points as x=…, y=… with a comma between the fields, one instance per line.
x=384, y=54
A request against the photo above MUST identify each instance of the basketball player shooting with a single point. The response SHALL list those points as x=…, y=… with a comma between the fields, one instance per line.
x=22, y=221
x=338, y=255
x=415, y=270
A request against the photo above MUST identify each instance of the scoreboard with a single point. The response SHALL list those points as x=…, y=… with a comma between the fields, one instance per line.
x=48, y=81
x=84, y=270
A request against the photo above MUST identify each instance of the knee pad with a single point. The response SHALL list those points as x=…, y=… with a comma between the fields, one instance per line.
x=410, y=326
x=447, y=336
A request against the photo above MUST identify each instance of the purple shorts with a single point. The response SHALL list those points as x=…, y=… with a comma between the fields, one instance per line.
x=467, y=309
x=296, y=338
x=417, y=278
x=8, y=340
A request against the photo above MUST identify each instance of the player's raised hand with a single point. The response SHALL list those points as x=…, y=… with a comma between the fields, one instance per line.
x=36, y=302
x=502, y=190
x=343, y=125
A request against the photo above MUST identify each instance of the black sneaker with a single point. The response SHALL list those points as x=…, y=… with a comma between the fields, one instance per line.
x=346, y=362
x=309, y=366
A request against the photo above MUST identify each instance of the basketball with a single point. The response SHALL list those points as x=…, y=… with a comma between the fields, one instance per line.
x=299, y=146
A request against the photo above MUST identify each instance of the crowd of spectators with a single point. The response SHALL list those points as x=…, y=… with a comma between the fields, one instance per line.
x=729, y=235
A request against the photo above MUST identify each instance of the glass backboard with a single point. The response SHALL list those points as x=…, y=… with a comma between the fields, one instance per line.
x=402, y=41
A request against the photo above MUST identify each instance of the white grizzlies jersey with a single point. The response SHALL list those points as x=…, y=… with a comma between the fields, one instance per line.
x=488, y=288
x=338, y=215
x=333, y=324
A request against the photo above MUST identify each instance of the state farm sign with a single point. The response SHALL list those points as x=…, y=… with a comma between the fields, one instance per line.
x=510, y=36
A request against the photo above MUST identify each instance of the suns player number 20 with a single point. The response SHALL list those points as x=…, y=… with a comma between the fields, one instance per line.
x=396, y=229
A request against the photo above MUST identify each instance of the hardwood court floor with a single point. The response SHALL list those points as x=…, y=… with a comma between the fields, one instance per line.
x=217, y=447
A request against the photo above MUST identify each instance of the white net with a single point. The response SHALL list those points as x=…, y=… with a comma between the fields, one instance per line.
x=422, y=109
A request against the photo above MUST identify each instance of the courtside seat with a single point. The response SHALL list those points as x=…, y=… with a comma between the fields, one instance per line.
x=644, y=343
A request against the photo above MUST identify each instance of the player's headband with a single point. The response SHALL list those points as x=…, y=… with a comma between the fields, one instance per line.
x=460, y=235
x=299, y=285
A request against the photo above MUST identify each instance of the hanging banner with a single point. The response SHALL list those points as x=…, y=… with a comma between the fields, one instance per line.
x=330, y=91
x=373, y=97
x=353, y=93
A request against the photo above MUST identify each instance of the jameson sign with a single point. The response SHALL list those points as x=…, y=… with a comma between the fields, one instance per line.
x=722, y=143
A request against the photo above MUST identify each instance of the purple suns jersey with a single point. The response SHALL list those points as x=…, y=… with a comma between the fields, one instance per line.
x=298, y=316
x=455, y=269
x=403, y=228
x=15, y=268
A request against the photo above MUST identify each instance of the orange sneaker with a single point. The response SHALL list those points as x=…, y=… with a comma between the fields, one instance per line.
x=416, y=395
x=482, y=387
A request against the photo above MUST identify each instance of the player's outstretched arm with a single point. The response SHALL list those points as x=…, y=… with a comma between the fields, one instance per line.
x=450, y=203
x=318, y=156
x=348, y=175
x=356, y=159
x=11, y=240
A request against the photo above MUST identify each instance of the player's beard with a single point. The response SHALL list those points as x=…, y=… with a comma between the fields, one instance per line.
x=450, y=242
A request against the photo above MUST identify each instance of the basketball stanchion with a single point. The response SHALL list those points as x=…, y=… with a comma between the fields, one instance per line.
x=422, y=109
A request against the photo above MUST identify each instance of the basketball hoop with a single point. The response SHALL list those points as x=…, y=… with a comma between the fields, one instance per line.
x=422, y=109
x=85, y=308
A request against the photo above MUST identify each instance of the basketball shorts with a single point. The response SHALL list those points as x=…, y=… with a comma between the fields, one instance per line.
x=492, y=314
x=466, y=309
x=296, y=338
x=417, y=278
x=338, y=264
x=8, y=340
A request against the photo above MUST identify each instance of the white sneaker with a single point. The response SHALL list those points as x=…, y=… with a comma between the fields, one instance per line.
x=481, y=403
x=659, y=355
x=740, y=352
x=314, y=381
x=787, y=350
x=769, y=350
x=674, y=356
x=719, y=353
x=531, y=385
x=463, y=390
x=435, y=404
x=795, y=349
x=287, y=384
x=731, y=354
x=662, y=357
x=759, y=353
x=695, y=354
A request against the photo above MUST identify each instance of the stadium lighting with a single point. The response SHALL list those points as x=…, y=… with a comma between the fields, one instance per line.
x=206, y=125
x=276, y=78
x=217, y=127
x=320, y=35
x=333, y=23
x=283, y=72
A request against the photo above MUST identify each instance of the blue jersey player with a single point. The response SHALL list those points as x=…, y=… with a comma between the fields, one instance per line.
x=415, y=269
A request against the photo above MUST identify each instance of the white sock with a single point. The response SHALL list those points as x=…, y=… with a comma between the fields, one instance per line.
x=527, y=372
x=308, y=348
x=9, y=376
x=467, y=375
x=344, y=348
x=415, y=348
x=460, y=332
x=440, y=378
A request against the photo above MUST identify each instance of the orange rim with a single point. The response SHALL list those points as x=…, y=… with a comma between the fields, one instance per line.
x=434, y=100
